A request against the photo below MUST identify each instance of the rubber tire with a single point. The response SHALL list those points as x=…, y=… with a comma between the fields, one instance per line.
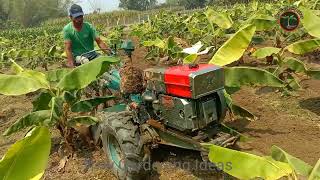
x=120, y=126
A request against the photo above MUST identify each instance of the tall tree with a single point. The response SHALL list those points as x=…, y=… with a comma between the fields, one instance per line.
x=31, y=12
x=140, y=5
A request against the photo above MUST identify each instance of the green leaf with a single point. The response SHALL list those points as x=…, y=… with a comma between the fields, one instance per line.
x=57, y=74
x=32, y=119
x=257, y=39
x=39, y=76
x=157, y=42
x=221, y=19
x=247, y=166
x=170, y=44
x=311, y=22
x=27, y=158
x=71, y=97
x=239, y=76
x=15, y=85
x=264, y=22
x=83, y=75
x=190, y=59
x=298, y=165
x=293, y=82
x=89, y=104
x=264, y=52
x=305, y=46
x=42, y=101
x=234, y=48
x=295, y=65
x=314, y=74
x=83, y=120
x=315, y=174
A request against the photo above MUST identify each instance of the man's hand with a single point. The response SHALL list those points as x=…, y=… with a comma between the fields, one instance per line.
x=103, y=46
x=70, y=63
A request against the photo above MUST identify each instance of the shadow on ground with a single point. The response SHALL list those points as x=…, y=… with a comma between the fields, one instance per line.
x=311, y=104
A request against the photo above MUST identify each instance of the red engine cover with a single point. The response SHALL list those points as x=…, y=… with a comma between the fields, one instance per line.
x=177, y=79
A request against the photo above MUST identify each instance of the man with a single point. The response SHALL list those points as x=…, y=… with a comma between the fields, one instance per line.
x=79, y=37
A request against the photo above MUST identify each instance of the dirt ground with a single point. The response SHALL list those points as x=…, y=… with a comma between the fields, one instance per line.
x=290, y=122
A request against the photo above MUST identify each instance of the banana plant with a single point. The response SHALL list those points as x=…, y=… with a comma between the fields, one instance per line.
x=59, y=96
x=287, y=67
x=166, y=50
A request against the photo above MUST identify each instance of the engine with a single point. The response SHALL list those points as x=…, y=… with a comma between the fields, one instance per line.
x=186, y=97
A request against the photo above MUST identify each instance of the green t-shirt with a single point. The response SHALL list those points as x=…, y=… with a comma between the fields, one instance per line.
x=83, y=41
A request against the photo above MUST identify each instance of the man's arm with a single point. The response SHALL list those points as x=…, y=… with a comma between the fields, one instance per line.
x=68, y=50
x=102, y=45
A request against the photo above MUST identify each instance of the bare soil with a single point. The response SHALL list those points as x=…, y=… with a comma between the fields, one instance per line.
x=290, y=122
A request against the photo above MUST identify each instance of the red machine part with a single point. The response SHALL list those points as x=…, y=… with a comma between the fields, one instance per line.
x=177, y=79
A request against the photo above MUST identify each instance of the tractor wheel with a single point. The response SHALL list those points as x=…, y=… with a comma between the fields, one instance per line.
x=121, y=142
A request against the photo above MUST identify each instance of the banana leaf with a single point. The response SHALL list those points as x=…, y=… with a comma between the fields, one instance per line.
x=311, y=22
x=221, y=19
x=15, y=85
x=305, y=46
x=234, y=48
x=83, y=75
x=295, y=64
x=27, y=158
x=298, y=165
x=239, y=76
x=32, y=119
x=247, y=166
x=264, y=52
x=315, y=173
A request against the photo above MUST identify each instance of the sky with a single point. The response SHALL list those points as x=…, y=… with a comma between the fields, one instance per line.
x=105, y=5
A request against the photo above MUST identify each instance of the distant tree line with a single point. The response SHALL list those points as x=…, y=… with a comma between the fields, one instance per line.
x=142, y=5
x=31, y=12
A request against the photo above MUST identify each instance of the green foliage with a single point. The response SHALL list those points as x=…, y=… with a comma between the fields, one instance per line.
x=27, y=158
x=33, y=11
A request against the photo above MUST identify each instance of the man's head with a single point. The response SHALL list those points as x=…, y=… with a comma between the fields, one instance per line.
x=76, y=14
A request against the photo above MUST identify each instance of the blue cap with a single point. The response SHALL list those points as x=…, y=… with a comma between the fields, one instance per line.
x=75, y=11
